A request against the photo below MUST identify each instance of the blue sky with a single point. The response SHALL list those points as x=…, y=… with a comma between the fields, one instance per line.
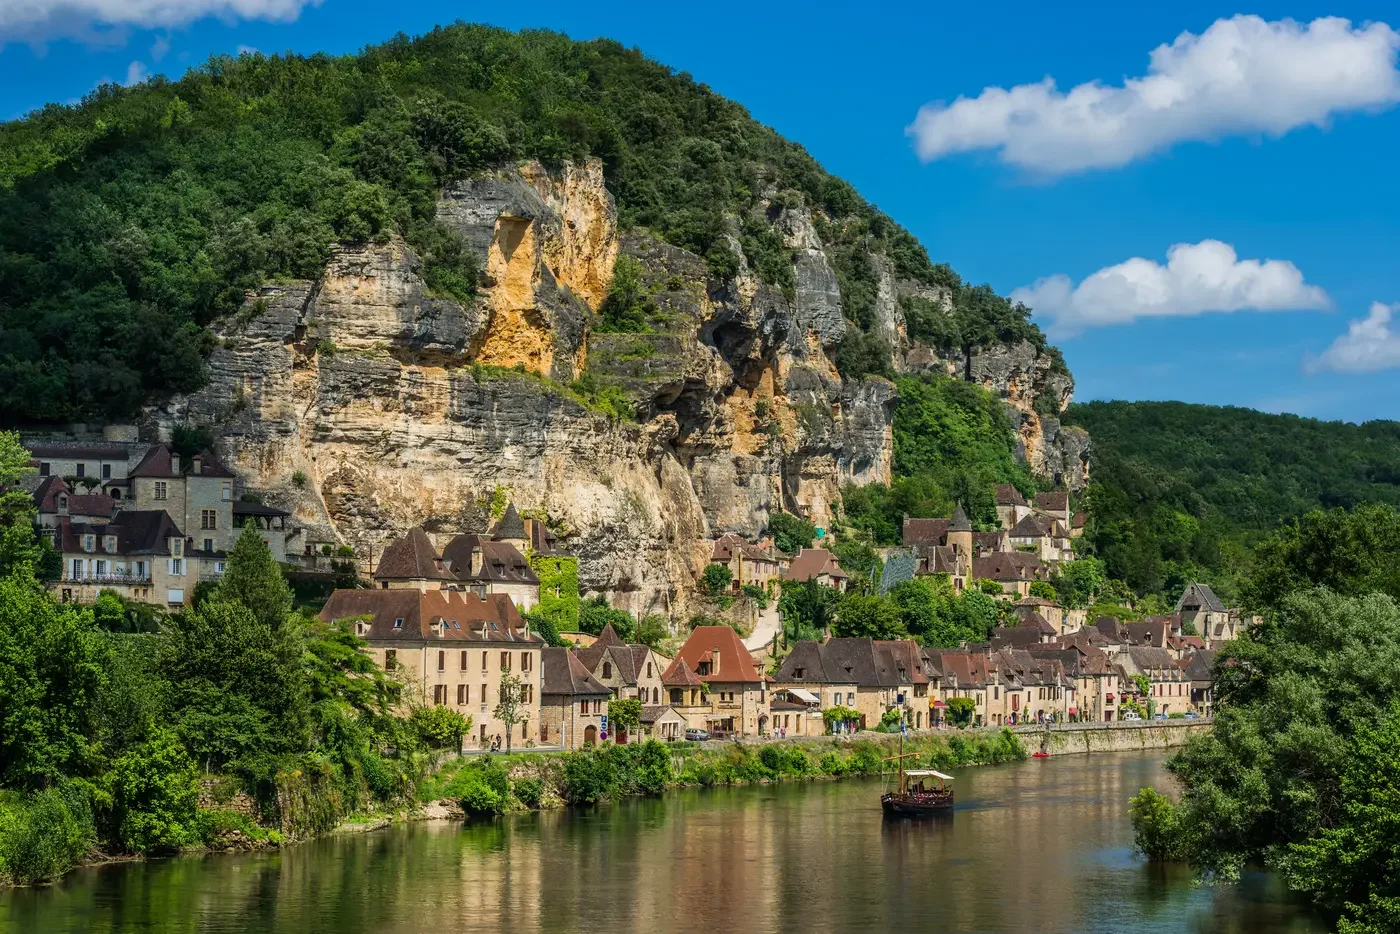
x=1021, y=202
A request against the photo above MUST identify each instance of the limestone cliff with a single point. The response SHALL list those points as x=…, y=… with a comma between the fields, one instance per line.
x=365, y=403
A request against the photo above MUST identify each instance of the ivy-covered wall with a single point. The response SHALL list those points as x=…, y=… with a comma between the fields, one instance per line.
x=559, y=601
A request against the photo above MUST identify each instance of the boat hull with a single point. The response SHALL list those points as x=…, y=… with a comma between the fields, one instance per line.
x=895, y=805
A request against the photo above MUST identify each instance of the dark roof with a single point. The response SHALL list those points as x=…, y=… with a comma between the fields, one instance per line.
x=652, y=714
x=562, y=673
x=1078, y=519
x=543, y=542
x=871, y=664
x=468, y=617
x=46, y=493
x=241, y=508
x=813, y=562
x=1147, y=658
x=500, y=561
x=1198, y=667
x=209, y=466
x=908, y=664
x=1006, y=566
x=1031, y=619
x=412, y=558
x=1034, y=601
x=959, y=521
x=1008, y=495
x=807, y=656
x=77, y=450
x=156, y=463
x=1052, y=502
x=1200, y=596
x=138, y=532
x=1015, y=635
x=735, y=662
x=1033, y=526
x=159, y=462
x=510, y=526
x=91, y=504
x=924, y=531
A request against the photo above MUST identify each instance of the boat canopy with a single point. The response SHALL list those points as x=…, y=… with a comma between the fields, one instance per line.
x=915, y=773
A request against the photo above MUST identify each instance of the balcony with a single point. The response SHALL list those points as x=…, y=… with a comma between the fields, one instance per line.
x=110, y=579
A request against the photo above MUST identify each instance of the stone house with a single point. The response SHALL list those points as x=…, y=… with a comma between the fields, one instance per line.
x=1198, y=668
x=733, y=697
x=628, y=671
x=197, y=495
x=1053, y=505
x=572, y=702
x=943, y=546
x=1051, y=611
x=663, y=723
x=1013, y=570
x=271, y=525
x=1077, y=523
x=794, y=718
x=450, y=648
x=412, y=563
x=1201, y=608
x=140, y=555
x=816, y=564
x=803, y=673
x=102, y=467
x=987, y=543
x=962, y=673
x=1011, y=505
x=1043, y=537
x=887, y=675
x=487, y=566
x=1168, y=686
x=687, y=694
x=747, y=563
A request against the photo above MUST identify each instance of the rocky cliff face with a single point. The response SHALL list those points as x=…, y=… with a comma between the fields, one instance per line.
x=366, y=404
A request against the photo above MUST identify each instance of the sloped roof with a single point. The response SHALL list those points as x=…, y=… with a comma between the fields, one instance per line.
x=1033, y=526
x=1052, y=502
x=241, y=508
x=468, y=616
x=908, y=664
x=734, y=661
x=77, y=450
x=1200, y=596
x=813, y=562
x=46, y=493
x=510, y=526
x=1005, y=566
x=868, y=663
x=1031, y=619
x=1199, y=665
x=1035, y=601
x=924, y=531
x=412, y=558
x=1148, y=658
x=500, y=561
x=1015, y=635
x=209, y=465
x=680, y=675
x=562, y=673
x=959, y=521
x=805, y=656
x=543, y=542
x=990, y=541
x=156, y=463
x=1008, y=495
x=654, y=713
x=1077, y=520
x=91, y=504
x=138, y=532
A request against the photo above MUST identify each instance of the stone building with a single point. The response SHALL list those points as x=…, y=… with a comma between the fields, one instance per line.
x=748, y=563
x=480, y=564
x=450, y=648
x=1201, y=608
x=816, y=564
x=572, y=702
x=138, y=554
x=628, y=671
x=732, y=694
x=886, y=675
x=1011, y=505
x=197, y=495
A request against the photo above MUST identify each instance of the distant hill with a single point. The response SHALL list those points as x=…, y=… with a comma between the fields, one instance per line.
x=1178, y=490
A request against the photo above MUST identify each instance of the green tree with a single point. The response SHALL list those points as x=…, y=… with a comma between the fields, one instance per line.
x=1350, y=552
x=439, y=727
x=790, y=533
x=510, y=705
x=716, y=579
x=653, y=629
x=627, y=306
x=806, y=609
x=960, y=710
x=868, y=617
x=595, y=614
x=154, y=795
x=624, y=715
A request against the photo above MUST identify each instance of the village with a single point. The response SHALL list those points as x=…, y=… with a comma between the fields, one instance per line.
x=450, y=616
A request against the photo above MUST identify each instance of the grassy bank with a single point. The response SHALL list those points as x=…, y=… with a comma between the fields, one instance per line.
x=489, y=785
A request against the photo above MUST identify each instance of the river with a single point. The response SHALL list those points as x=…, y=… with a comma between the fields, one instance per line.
x=1035, y=846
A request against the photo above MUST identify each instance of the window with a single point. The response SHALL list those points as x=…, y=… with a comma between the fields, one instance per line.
x=607, y=669
x=109, y=544
x=483, y=697
x=851, y=698
x=177, y=567
x=391, y=659
x=106, y=471
x=43, y=468
x=160, y=490
x=77, y=573
x=996, y=693
x=208, y=544
x=82, y=469
x=141, y=570
x=505, y=661
x=398, y=623
x=228, y=490
x=208, y=519
x=483, y=664
x=88, y=542
x=524, y=661
x=677, y=696
x=655, y=695
x=648, y=669
x=464, y=659
x=175, y=596
x=101, y=568
x=461, y=694
x=439, y=694
x=442, y=661
x=177, y=547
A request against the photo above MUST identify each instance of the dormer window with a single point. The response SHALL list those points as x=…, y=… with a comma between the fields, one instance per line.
x=398, y=623
x=63, y=502
x=109, y=544
x=361, y=628
x=89, y=542
x=177, y=547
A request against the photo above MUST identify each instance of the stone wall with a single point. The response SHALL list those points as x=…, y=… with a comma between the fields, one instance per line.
x=1069, y=738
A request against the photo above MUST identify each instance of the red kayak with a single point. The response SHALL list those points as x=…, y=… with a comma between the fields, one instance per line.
x=1040, y=755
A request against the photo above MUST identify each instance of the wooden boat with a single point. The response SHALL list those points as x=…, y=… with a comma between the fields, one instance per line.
x=916, y=795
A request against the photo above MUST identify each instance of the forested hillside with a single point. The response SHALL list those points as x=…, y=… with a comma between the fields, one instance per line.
x=131, y=221
x=1180, y=491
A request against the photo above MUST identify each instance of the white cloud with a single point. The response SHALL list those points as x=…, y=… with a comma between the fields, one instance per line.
x=1370, y=344
x=159, y=48
x=135, y=74
x=1241, y=76
x=37, y=20
x=1198, y=278
x=247, y=50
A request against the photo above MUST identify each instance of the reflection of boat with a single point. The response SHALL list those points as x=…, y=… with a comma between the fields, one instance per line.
x=917, y=794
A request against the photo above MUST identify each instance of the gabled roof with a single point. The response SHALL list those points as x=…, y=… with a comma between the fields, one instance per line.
x=734, y=661
x=1077, y=520
x=510, y=526
x=869, y=663
x=138, y=532
x=97, y=505
x=1015, y=635
x=46, y=493
x=500, y=561
x=412, y=558
x=990, y=541
x=1035, y=601
x=813, y=562
x=1199, y=665
x=806, y=657
x=1033, y=526
x=1147, y=658
x=925, y=531
x=468, y=617
x=1201, y=597
x=654, y=713
x=1052, y=502
x=562, y=673
x=160, y=463
x=543, y=542
x=1006, y=566
x=908, y=664
x=156, y=463
x=1008, y=495
x=209, y=466
x=1031, y=619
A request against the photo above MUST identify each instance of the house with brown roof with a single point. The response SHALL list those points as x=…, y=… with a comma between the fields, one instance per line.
x=1169, y=687
x=140, y=555
x=816, y=564
x=450, y=648
x=942, y=546
x=732, y=695
x=1013, y=570
x=804, y=675
x=412, y=563
x=1200, y=670
x=486, y=565
x=1077, y=523
x=572, y=702
x=95, y=467
x=885, y=675
x=1049, y=609
x=748, y=563
x=197, y=494
x=1011, y=505
x=1043, y=537
x=1200, y=608
x=1053, y=505
x=962, y=673
x=628, y=671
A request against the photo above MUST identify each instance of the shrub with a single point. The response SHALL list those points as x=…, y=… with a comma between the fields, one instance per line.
x=653, y=767
x=299, y=479
x=716, y=579
x=832, y=763
x=482, y=787
x=1155, y=830
x=865, y=760
x=439, y=727
x=960, y=710
x=528, y=791
x=589, y=776
x=153, y=796
x=44, y=835
x=757, y=594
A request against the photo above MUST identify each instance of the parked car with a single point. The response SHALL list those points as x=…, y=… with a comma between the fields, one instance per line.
x=1130, y=715
x=1160, y=716
x=1191, y=715
x=696, y=736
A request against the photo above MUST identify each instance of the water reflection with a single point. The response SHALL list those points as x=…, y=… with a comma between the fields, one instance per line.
x=1039, y=846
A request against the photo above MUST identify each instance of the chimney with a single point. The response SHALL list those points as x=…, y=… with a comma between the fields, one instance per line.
x=714, y=660
x=174, y=464
x=197, y=463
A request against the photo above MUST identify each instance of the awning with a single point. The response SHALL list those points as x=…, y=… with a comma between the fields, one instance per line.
x=1074, y=710
x=939, y=704
x=807, y=696
x=917, y=773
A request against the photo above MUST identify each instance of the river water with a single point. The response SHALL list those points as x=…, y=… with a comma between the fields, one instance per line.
x=1036, y=846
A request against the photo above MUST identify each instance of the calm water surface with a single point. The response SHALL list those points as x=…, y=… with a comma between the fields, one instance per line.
x=1037, y=846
